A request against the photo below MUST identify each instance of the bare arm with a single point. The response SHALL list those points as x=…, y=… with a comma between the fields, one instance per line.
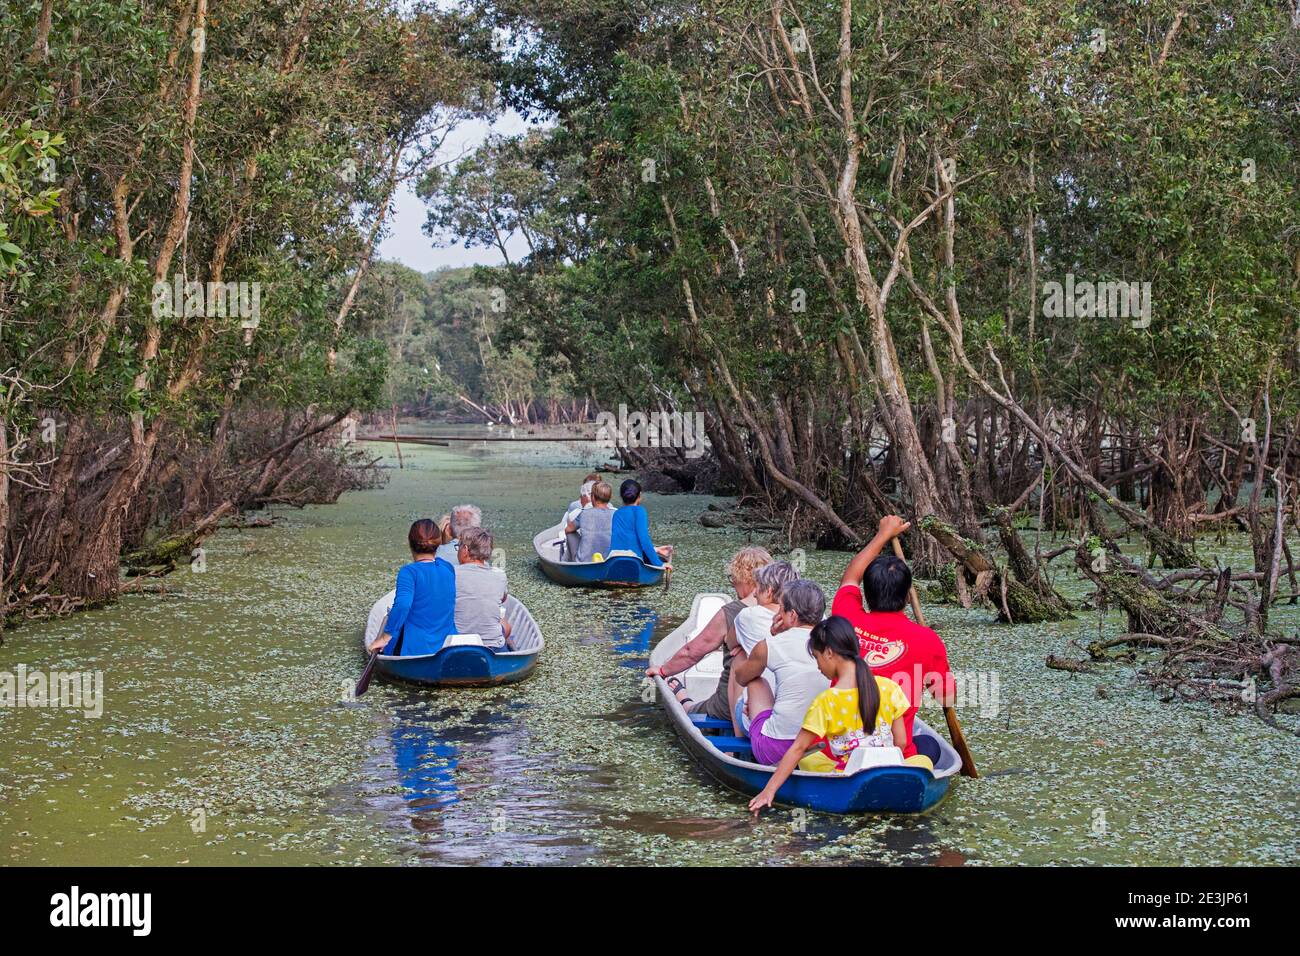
x=783, y=770
x=899, y=732
x=695, y=650
x=752, y=667
x=891, y=526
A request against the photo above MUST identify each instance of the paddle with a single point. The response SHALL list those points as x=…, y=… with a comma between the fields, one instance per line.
x=949, y=713
x=363, y=682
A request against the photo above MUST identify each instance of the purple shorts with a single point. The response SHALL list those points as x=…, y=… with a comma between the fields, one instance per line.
x=766, y=749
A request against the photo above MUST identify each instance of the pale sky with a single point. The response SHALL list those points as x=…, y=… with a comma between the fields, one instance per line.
x=407, y=244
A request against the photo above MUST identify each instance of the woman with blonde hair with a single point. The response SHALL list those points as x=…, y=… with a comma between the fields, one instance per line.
x=740, y=574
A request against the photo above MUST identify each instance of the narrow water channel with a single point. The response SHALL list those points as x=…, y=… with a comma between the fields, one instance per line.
x=226, y=739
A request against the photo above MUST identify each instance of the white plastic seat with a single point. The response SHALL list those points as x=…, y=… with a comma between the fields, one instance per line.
x=709, y=608
x=463, y=640
x=865, y=757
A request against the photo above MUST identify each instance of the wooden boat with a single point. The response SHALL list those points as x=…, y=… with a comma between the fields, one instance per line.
x=463, y=661
x=623, y=571
x=880, y=789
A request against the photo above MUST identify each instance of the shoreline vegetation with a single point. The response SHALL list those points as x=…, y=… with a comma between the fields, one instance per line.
x=838, y=237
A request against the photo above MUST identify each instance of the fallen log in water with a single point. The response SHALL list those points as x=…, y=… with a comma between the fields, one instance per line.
x=1066, y=664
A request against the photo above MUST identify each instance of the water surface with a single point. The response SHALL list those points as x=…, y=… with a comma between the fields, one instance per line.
x=226, y=736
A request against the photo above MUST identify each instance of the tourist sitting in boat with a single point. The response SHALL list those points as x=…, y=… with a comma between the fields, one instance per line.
x=719, y=632
x=892, y=644
x=462, y=517
x=833, y=726
x=781, y=679
x=571, y=542
x=480, y=591
x=423, y=611
x=594, y=525
x=754, y=624
x=444, y=526
x=584, y=496
x=630, y=530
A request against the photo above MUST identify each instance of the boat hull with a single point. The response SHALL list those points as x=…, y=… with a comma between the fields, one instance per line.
x=458, y=667
x=462, y=665
x=879, y=790
x=623, y=571
x=888, y=789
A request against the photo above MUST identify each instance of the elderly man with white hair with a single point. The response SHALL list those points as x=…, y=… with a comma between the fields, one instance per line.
x=462, y=518
x=569, y=552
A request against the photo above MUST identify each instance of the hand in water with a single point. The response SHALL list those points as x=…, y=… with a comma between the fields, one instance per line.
x=764, y=799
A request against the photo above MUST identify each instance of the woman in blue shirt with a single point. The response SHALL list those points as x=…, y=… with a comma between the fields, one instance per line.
x=424, y=610
x=630, y=531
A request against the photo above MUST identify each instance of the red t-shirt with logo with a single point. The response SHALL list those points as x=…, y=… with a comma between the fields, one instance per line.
x=896, y=647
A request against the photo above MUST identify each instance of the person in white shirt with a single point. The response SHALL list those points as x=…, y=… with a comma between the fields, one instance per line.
x=569, y=551
x=777, y=704
x=462, y=517
x=753, y=626
x=592, y=525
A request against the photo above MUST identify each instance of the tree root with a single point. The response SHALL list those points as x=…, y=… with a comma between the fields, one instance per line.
x=1017, y=600
x=1201, y=660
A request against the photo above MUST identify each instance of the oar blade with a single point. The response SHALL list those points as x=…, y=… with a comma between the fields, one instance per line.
x=363, y=682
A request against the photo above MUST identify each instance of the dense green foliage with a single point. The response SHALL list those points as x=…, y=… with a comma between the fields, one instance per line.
x=252, y=148
x=835, y=229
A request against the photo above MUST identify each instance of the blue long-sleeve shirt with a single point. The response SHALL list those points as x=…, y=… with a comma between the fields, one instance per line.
x=630, y=531
x=425, y=606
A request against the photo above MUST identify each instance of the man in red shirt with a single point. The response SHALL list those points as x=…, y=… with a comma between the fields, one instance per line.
x=892, y=644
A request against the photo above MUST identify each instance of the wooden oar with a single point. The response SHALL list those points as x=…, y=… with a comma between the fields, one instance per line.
x=949, y=713
x=363, y=682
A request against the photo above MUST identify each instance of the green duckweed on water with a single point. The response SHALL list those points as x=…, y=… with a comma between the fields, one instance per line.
x=226, y=735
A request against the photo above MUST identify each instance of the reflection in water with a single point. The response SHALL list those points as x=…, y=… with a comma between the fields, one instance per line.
x=632, y=634
x=426, y=760
x=463, y=787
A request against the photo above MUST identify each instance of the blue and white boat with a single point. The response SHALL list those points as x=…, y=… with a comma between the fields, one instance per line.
x=621, y=571
x=879, y=789
x=462, y=661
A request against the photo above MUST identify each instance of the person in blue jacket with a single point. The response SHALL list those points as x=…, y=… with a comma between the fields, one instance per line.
x=424, y=610
x=630, y=530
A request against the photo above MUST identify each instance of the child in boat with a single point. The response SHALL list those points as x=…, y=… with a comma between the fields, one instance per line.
x=836, y=721
x=630, y=530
